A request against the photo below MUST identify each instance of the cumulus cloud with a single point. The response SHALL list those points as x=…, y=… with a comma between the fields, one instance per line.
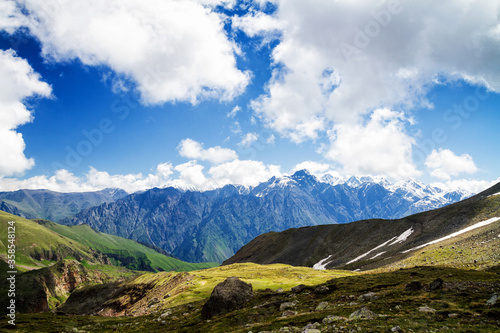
x=470, y=185
x=315, y=168
x=247, y=173
x=190, y=175
x=94, y=180
x=11, y=17
x=379, y=147
x=18, y=82
x=444, y=164
x=172, y=50
x=258, y=23
x=372, y=54
x=194, y=150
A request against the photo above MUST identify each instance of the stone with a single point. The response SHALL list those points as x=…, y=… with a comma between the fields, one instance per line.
x=493, y=300
x=368, y=297
x=289, y=313
x=331, y=319
x=396, y=329
x=226, y=297
x=322, y=306
x=153, y=301
x=299, y=288
x=321, y=290
x=413, y=286
x=287, y=305
x=279, y=290
x=436, y=284
x=363, y=313
x=426, y=309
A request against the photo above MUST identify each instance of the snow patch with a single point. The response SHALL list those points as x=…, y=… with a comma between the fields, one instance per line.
x=372, y=250
x=321, y=265
x=403, y=237
x=472, y=227
x=494, y=194
x=378, y=254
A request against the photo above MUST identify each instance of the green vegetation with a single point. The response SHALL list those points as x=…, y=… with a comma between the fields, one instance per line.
x=122, y=251
x=460, y=305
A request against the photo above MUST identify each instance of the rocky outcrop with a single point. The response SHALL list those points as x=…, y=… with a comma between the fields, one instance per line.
x=226, y=297
x=45, y=288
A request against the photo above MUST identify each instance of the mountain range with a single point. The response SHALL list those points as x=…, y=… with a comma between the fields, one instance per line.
x=470, y=228
x=212, y=225
x=54, y=206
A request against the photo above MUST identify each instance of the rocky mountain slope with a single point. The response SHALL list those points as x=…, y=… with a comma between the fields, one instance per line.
x=53, y=206
x=213, y=225
x=373, y=243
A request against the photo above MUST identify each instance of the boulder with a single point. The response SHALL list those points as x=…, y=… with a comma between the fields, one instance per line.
x=414, y=286
x=436, y=284
x=287, y=305
x=226, y=297
x=299, y=288
x=363, y=313
x=493, y=300
x=321, y=290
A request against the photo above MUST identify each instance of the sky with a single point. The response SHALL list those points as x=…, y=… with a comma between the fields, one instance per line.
x=201, y=93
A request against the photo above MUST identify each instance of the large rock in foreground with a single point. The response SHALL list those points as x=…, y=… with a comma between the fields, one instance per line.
x=226, y=297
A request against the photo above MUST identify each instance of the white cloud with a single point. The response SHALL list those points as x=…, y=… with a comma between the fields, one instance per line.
x=94, y=180
x=379, y=147
x=18, y=82
x=173, y=50
x=315, y=168
x=373, y=54
x=194, y=150
x=234, y=111
x=248, y=139
x=443, y=164
x=247, y=173
x=470, y=185
x=258, y=23
x=11, y=17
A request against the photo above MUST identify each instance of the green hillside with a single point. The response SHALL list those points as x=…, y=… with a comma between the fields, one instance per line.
x=44, y=243
x=37, y=246
x=123, y=251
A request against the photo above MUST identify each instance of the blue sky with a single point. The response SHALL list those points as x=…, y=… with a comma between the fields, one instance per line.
x=203, y=93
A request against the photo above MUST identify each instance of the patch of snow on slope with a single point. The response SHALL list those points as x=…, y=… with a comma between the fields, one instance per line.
x=394, y=240
x=403, y=237
x=472, y=227
x=494, y=194
x=378, y=254
x=321, y=265
x=372, y=250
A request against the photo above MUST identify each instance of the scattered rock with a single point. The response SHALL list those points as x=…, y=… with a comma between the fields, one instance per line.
x=311, y=330
x=289, y=329
x=453, y=315
x=368, y=297
x=289, y=313
x=414, y=286
x=322, y=306
x=396, y=329
x=426, y=309
x=436, y=284
x=363, y=313
x=332, y=319
x=268, y=290
x=287, y=305
x=226, y=297
x=279, y=290
x=153, y=301
x=299, y=288
x=493, y=300
x=321, y=290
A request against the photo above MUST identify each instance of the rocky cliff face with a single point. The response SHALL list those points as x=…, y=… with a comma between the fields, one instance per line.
x=44, y=289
